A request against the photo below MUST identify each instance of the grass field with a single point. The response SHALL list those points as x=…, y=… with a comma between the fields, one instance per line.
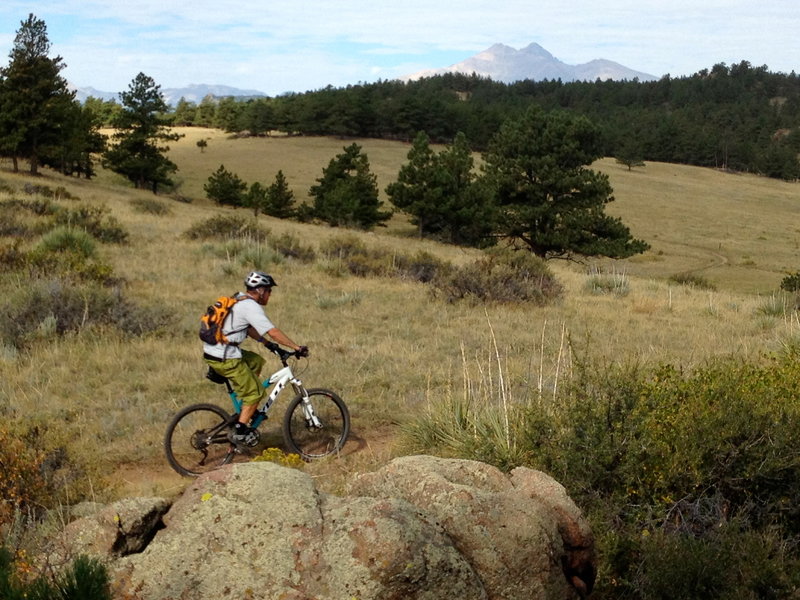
x=741, y=232
x=385, y=344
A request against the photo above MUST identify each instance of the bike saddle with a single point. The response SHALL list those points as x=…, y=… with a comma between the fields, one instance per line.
x=215, y=377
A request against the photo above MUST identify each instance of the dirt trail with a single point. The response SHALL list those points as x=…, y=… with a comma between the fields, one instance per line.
x=364, y=451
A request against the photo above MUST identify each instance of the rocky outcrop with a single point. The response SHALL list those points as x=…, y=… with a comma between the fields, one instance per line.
x=122, y=528
x=419, y=528
x=522, y=534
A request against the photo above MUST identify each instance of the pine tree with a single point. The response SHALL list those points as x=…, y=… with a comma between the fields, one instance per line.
x=347, y=192
x=548, y=198
x=34, y=98
x=280, y=199
x=441, y=194
x=138, y=152
x=225, y=187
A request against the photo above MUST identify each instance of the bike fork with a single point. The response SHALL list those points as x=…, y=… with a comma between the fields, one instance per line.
x=308, y=409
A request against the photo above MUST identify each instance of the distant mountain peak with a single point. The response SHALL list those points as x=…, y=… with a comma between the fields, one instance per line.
x=506, y=64
x=194, y=92
x=536, y=50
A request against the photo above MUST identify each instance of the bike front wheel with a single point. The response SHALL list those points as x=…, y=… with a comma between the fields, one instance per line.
x=197, y=440
x=312, y=438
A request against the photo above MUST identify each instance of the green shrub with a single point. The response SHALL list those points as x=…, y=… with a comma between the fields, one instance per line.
x=16, y=221
x=58, y=307
x=11, y=257
x=290, y=247
x=68, y=239
x=356, y=258
x=85, y=579
x=613, y=283
x=67, y=253
x=10, y=226
x=503, y=275
x=150, y=206
x=343, y=247
x=23, y=486
x=224, y=227
x=791, y=283
x=423, y=267
x=693, y=280
x=94, y=220
x=776, y=305
x=258, y=257
x=728, y=562
x=60, y=193
x=343, y=299
x=691, y=481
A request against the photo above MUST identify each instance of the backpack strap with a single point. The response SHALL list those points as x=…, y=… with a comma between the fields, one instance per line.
x=238, y=298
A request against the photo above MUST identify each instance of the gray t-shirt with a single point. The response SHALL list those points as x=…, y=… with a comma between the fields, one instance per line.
x=245, y=313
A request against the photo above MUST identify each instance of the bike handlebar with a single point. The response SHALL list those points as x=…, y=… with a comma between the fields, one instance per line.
x=282, y=354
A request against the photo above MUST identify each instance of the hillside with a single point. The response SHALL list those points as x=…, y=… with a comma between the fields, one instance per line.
x=386, y=345
x=736, y=230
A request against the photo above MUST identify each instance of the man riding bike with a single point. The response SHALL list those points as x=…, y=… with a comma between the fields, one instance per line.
x=242, y=367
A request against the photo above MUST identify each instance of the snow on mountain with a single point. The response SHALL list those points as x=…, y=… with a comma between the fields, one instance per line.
x=506, y=64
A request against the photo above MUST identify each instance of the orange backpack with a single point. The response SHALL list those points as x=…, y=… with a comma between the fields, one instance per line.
x=213, y=319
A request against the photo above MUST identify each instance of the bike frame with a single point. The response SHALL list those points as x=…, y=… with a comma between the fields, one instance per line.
x=279, y=379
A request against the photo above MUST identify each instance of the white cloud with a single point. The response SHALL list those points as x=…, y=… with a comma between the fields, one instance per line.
x=306, y=44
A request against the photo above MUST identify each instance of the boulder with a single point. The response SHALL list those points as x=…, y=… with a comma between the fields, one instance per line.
x=419, y=528
x=259, y=530
x=112, y=531
x=522, y=534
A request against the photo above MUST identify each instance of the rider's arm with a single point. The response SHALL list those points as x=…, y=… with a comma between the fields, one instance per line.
x=280, y=337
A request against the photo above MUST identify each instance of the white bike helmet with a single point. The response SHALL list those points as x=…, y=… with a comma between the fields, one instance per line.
x=257, y=279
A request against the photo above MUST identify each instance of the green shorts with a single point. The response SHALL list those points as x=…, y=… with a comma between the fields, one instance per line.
x=243, y=374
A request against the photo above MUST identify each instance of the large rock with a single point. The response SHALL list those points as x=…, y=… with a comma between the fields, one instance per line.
x=420, y=528
x=258, y=530
x=109, y=532
x=523, y=535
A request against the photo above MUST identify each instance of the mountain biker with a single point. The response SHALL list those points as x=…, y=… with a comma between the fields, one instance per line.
x=242, y=367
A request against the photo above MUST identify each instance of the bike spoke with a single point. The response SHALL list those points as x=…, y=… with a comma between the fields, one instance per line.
x=196, y=440
x=309, y=440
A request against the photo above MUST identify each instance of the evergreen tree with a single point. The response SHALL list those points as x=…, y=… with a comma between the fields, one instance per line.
x=206, y=112
x=440, y=193
x=347, y=192
x=415, y=192
x=185, y=112
x=256, y=198
x=547, y=196
x=225, y=187
x=78, y=142
x=140, y=129
x=227, y=114
x=34, y=98
x=103, y=111
x=280, y=199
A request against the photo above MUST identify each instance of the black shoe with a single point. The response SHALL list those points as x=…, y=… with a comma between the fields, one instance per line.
x=243, y=435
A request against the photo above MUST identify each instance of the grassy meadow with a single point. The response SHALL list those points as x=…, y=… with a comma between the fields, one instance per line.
x=387, y=345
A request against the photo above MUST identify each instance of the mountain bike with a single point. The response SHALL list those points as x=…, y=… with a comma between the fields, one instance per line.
x=316, y=423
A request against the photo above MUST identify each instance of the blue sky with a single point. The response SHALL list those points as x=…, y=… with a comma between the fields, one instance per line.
x=276, y=46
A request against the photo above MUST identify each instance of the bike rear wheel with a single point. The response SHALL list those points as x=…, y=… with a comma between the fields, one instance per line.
x=196, y=440
x=310, y=441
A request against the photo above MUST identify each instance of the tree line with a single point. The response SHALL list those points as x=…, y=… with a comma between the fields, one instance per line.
x=737, y=117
